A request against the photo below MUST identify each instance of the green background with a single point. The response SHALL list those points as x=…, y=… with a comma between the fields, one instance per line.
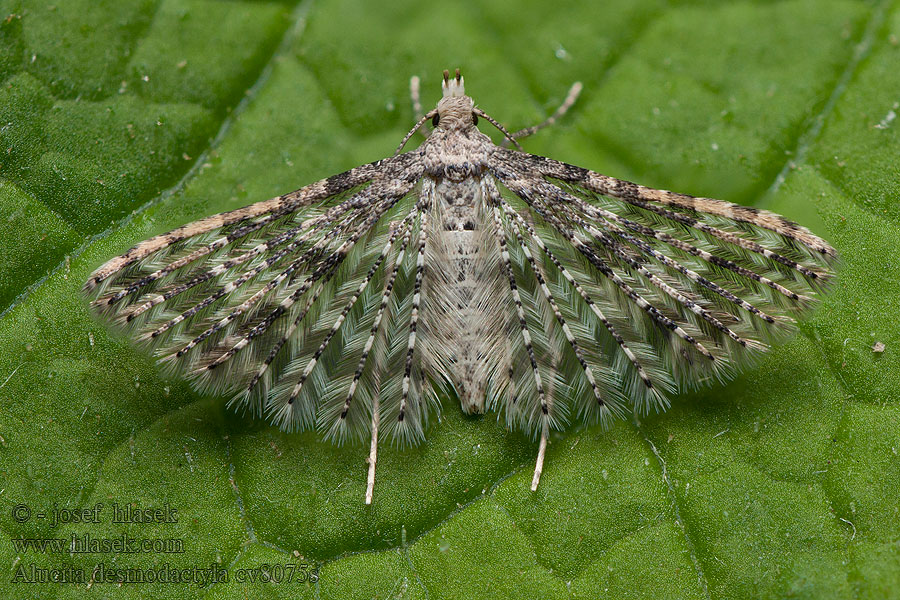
x=121, y=120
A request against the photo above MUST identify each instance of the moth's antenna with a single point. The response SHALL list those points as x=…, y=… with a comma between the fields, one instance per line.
x=496, y=124
x=571, y=97
x=415, y=96
x=415, y=128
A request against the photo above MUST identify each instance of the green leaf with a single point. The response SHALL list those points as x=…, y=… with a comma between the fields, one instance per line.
x=121, y=120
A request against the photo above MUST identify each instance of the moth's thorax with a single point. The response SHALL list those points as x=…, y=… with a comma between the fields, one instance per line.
x=456, y=153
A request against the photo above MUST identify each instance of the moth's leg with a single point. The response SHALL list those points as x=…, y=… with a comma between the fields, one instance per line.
x=571, y=97
x=417, y=104
x=539, y=464
x=373, y=448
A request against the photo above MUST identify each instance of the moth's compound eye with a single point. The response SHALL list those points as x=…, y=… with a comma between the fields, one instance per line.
x=474, y=119
x=435, y=120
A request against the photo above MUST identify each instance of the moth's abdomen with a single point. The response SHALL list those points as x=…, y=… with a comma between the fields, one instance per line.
x=461, y=317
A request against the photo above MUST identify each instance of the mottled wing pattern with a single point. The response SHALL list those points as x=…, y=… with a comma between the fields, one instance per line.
x=634, y=293
x=278, y=304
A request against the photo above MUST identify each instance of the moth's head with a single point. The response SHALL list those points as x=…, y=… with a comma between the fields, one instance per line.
x=455, y=110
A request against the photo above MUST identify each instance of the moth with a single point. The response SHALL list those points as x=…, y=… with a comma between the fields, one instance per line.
x=546, y=293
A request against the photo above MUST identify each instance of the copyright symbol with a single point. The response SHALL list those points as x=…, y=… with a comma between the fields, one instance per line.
x=21, y=513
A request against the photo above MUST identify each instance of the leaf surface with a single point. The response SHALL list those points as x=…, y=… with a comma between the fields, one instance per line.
x=119, y=121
